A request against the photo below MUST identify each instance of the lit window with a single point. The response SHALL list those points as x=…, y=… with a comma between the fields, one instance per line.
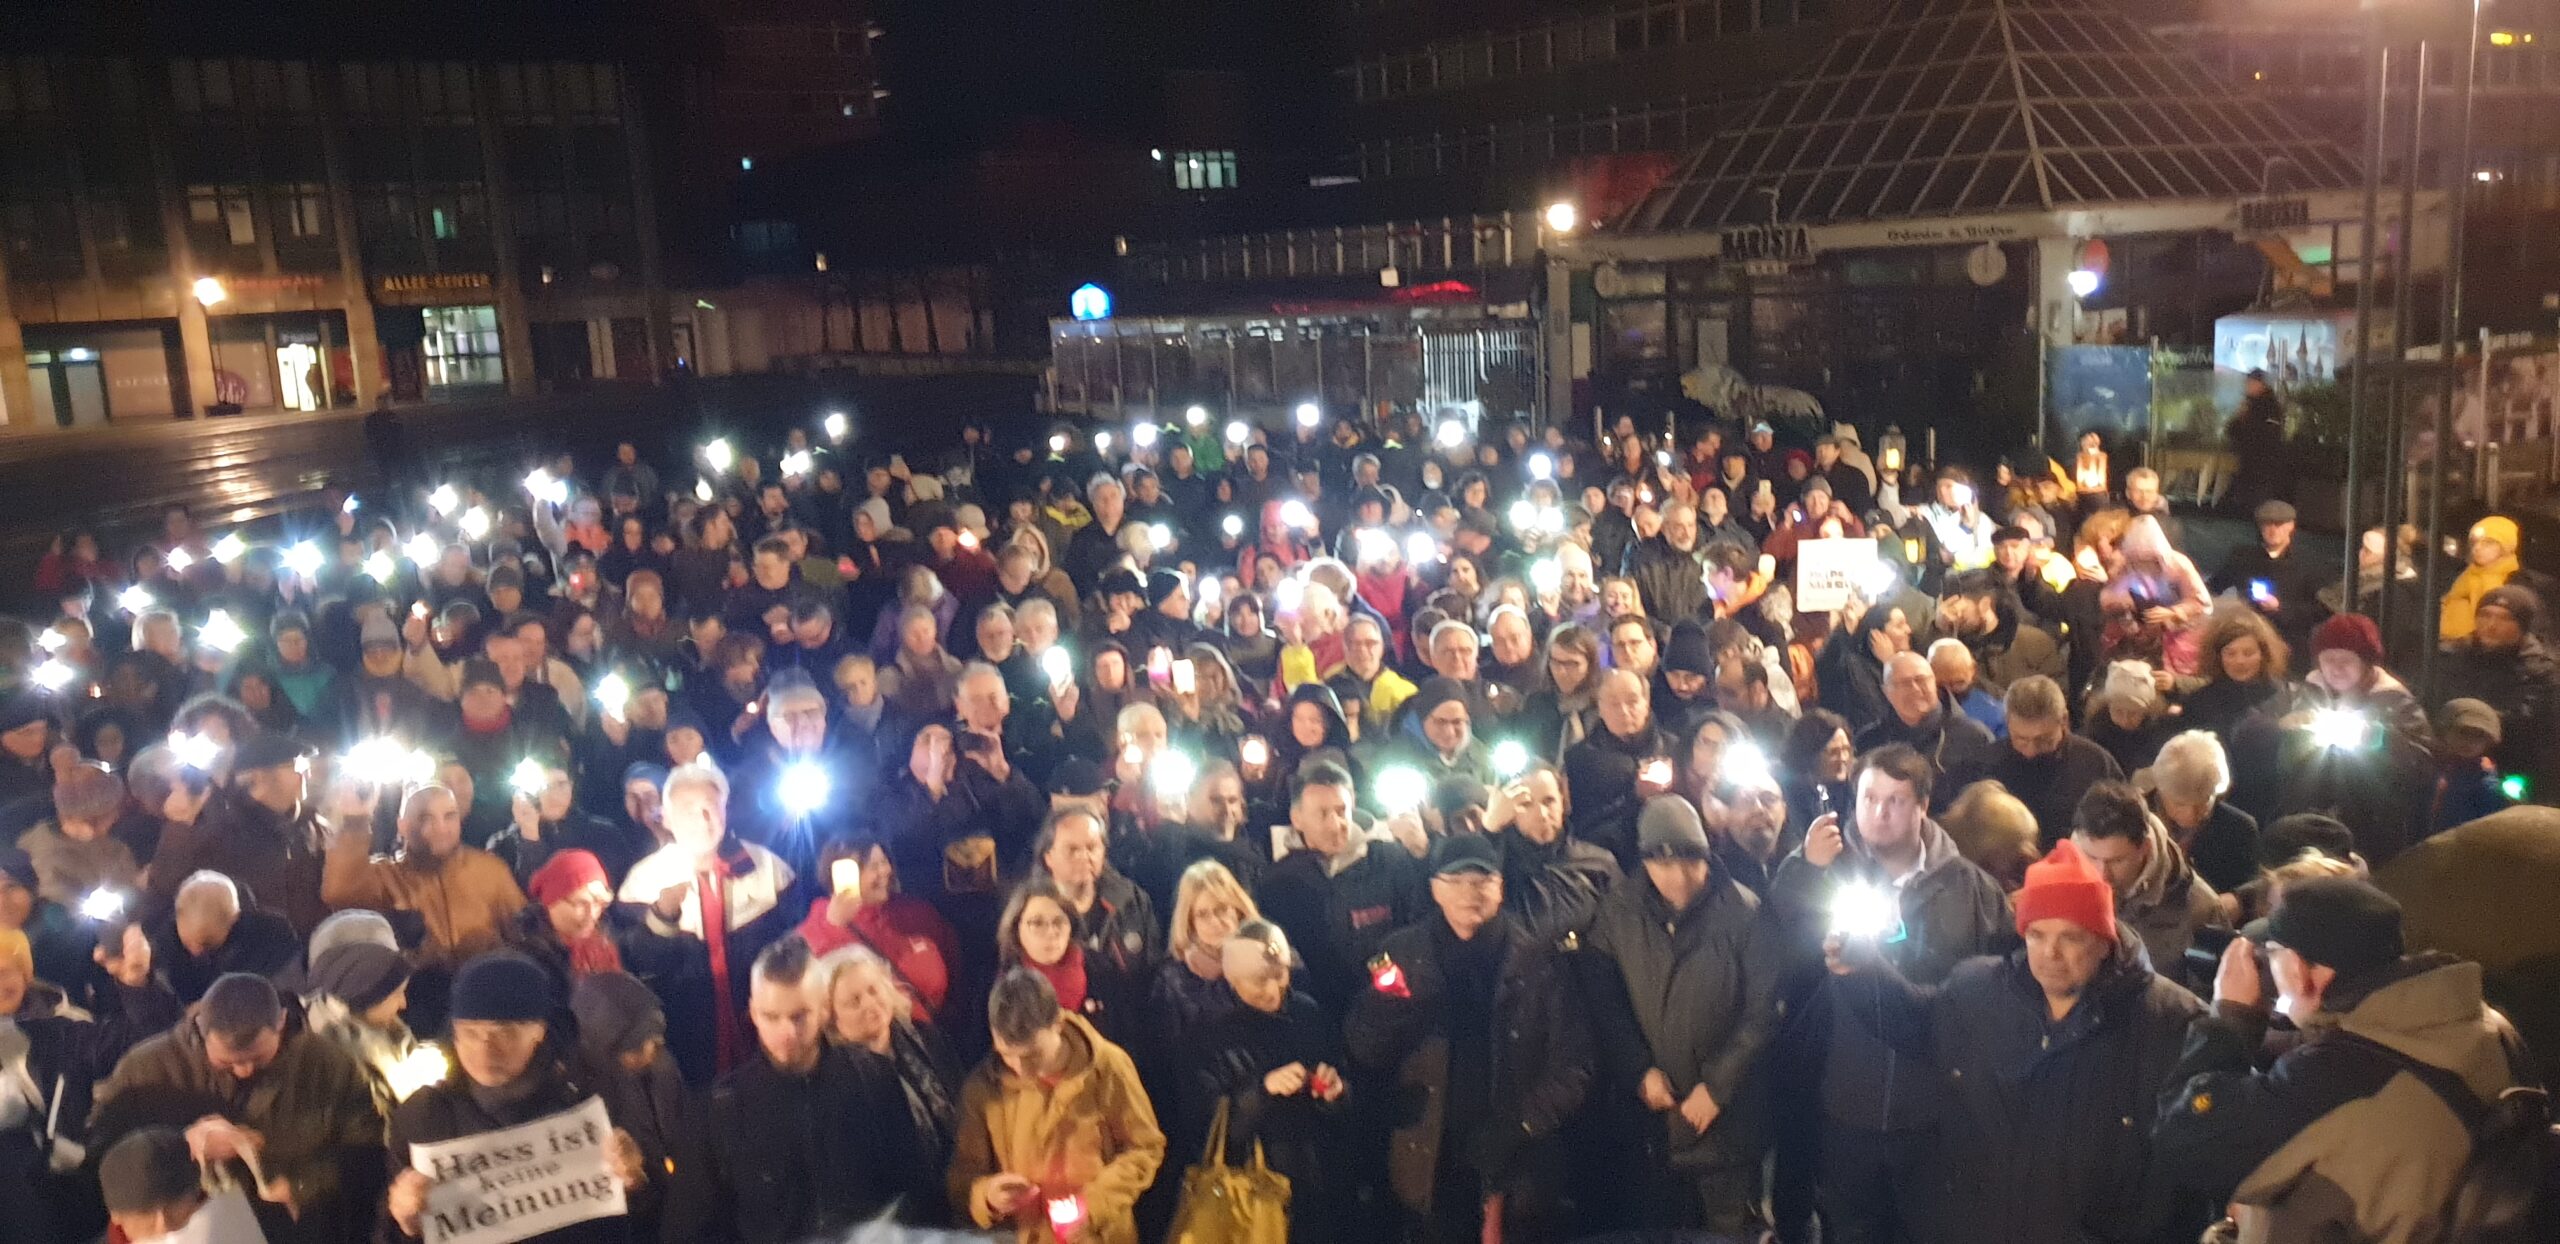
x=1204, y=170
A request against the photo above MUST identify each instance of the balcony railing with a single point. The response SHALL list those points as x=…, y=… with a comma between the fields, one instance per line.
x=1418, y=250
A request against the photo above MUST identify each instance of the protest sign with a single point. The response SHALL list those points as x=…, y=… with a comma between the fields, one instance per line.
x=224, y=1218
x=499, y=1187
x=1827, y=571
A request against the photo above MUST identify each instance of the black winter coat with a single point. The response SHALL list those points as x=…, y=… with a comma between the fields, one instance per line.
x=1227, y=1062
x=450, y=1111
x=2047, y=1133
x=1957, y=747
x=1600, y=772
x=1338, y=923
x=795, y=1157
x=1693, y=993
x=1542, y=1065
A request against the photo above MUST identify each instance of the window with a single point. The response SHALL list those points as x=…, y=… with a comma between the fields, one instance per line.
x=462, y=346
x=220, y=215
x=1204, y=170
x=302, y=210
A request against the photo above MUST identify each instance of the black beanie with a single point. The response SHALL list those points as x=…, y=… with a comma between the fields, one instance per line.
x=359, y=974
x=2343, y=922
x=1162, y=584
x=502, y=986
x=1687, y=653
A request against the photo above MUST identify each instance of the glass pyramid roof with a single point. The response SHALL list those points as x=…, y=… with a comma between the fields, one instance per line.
x=1973, y=107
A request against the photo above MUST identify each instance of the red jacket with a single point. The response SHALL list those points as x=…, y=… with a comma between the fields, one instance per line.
x=906, y=931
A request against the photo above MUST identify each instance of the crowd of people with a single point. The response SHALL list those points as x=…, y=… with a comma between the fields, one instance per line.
x=1499, y=835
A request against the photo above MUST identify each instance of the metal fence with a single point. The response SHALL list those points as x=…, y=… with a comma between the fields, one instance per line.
x=1263, y=367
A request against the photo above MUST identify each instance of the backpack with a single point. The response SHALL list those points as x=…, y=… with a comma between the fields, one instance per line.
x=2509, y=1189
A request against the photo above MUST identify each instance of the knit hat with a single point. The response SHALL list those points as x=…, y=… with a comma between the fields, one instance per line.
x=2062, y=886
x=380, y=633
x=2497, y=527
x=18, y=867
x=2521, y=603
x=1435, y=691
x=1162, y=584
x=15, y=952
x=2348, y=632
x=26, y=708
x=1687, y=652
x=502, y=986
x=1121, y=581
x=149, y=1168
x=355, y=927
x=1669, y=828
x=565, y=874
x=2129, y=683
x=2343, y=922
x=616, y=1014
x=359, y=974
x=267, y=751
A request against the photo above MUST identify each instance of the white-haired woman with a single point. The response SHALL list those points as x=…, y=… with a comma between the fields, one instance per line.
x=1273, y=1061
x=2187, y=783
x=867, y=1010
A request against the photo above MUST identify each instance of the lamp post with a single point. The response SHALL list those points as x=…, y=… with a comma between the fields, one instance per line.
x=2457, y=192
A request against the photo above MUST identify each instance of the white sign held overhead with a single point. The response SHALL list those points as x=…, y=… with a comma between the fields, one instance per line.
x=503, y=1186
x=1829, y=571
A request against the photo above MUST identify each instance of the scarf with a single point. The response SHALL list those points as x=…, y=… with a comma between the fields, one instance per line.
x=1066, y=977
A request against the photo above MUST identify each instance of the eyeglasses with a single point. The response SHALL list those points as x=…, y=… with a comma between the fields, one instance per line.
x=1048, y=923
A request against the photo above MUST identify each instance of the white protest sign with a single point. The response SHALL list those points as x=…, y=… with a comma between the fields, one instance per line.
x=503, y=1186
x=1827, y=571
x=224, y=1218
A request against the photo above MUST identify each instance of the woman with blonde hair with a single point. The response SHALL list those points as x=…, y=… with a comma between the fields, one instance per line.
x=1209, y=905
x=1994, y=830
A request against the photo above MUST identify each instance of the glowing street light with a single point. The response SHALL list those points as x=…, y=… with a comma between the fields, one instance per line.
x=1563, y=217
x=209, y=290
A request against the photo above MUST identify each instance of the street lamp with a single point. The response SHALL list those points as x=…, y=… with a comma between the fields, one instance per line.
x=1563, y=217
x=209, y=290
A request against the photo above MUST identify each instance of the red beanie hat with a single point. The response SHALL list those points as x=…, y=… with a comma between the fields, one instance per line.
x=2352, y=632
x=566, y=874
x=2062, y=886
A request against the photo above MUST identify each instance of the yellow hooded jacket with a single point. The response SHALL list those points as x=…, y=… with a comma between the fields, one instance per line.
x=2462, y=601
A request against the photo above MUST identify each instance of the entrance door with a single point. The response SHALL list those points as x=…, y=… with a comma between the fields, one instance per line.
x=298, y=376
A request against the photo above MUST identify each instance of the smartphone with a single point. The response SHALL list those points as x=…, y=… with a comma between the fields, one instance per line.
x=1186, y=677
x=1253, y=751
x=1657, y=771
x=845, y=875
x=419, y=611
x=1159, y=665
x=2262, y=593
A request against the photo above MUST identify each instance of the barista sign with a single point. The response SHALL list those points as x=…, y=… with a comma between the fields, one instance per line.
x=500, y=1187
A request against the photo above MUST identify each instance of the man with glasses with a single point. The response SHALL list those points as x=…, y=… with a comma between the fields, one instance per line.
x=1474, y=1024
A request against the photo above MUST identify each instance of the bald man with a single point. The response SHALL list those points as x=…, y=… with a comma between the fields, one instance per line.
x=1610, y=774
x=1960, y=678
x=1957, y=748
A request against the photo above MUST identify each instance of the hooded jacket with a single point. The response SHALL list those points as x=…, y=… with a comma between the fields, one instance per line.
x=2339, y=1140
x=1692, y=993
x=2461, y=605
x=2168, y=902
x=1951, y=911
x=1091, y=1132
x=2048, y=1127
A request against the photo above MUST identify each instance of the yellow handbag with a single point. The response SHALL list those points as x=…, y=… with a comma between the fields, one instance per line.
x=1224, y=1204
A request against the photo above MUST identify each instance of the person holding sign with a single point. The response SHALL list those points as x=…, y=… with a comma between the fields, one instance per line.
x=555, y=1172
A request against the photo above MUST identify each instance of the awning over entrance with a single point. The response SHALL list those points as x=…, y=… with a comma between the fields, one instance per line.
x=1955, y=108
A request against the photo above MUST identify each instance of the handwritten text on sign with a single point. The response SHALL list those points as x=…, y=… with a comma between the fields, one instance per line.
x=1827, y=571
x=499, y=1187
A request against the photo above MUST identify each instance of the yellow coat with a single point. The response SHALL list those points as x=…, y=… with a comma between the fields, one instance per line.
x=1093, y=1133
x=2462, y=600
